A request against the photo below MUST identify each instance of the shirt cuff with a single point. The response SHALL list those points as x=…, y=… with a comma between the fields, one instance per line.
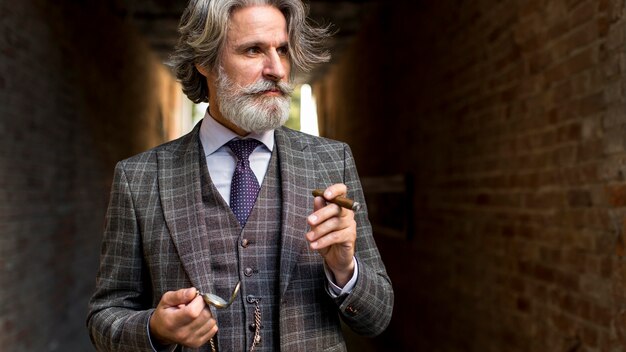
x=155, y=346
x=336, y=291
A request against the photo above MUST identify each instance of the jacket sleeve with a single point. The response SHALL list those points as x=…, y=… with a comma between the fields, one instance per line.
x=367, y=309
x=119, y=310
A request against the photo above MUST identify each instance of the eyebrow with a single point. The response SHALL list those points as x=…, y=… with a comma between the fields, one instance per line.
x=257, y=43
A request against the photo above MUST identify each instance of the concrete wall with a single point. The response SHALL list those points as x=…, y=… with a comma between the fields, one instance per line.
x=510, y=115
x=79, y=91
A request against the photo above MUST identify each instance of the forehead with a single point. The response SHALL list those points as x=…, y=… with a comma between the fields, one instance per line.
x=257, y=23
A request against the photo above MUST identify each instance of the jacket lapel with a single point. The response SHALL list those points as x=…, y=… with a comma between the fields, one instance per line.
x=181, y=197
x=297, y=171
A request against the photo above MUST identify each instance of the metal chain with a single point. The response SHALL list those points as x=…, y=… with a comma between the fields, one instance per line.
x=257, y=329
x=257, y=323
x=212, y=342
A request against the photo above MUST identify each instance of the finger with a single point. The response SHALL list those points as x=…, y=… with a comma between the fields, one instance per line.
x=207, y=325
x=195, y=314
x=323, y=228
x=327, y=212
x=197, y=307
x=171, y=317
x=179, y=297
x=318, y=203
x=328, y=219
x=200, y=326
x=324, y=213
x=343, y=237
x=338, y=189
x=200, y=335
x=213, y=330
x=204, y=337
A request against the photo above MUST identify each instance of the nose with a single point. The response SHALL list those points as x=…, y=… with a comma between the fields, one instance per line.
x=276, y=66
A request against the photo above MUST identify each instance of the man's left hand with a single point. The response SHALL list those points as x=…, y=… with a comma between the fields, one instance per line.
x=333, y=233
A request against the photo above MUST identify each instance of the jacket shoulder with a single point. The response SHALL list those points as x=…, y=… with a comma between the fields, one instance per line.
x=149, y=157
x=319, y=144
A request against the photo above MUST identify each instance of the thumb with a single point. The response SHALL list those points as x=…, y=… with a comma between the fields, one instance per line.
x=182, y=296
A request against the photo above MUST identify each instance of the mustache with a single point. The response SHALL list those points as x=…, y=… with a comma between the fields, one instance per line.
x=264, y=85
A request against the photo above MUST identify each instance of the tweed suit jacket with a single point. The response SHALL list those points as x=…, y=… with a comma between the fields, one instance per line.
x=155, y=241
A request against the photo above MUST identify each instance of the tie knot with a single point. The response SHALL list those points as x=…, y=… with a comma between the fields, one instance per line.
x=243, y=147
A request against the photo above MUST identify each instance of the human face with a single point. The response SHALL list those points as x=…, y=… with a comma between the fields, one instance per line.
x=256, y=49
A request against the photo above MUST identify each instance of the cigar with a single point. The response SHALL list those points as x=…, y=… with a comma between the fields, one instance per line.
x=340, y=201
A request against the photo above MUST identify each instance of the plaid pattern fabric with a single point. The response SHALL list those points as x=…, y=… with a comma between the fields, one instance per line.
x=157, y=240
x=255, y=263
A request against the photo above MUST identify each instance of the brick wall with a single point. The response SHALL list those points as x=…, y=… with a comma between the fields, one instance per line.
x=78, y=91
x=511, y=117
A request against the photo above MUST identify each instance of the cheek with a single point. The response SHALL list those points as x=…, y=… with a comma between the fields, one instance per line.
x=247, y=74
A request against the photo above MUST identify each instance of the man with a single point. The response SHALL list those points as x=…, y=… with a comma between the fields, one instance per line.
x=200, y=214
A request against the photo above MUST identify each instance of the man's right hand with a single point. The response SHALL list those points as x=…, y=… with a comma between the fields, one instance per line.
x=181, y=318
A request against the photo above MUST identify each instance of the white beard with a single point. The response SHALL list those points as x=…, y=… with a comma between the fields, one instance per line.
x=247, y=109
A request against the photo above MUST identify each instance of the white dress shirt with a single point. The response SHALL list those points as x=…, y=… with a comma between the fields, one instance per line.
x=221, y=161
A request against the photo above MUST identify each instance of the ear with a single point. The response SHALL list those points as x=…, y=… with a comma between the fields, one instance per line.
x=203, y=70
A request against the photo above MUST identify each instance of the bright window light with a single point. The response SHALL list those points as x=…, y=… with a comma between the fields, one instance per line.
x=308, y=111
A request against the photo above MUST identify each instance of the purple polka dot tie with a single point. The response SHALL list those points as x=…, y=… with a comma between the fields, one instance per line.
x=244, y=187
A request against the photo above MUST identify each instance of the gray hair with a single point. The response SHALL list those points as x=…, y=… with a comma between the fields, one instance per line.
x=203, y=27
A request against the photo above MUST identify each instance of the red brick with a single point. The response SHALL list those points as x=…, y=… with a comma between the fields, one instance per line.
x=79, y=93
x=616, y=194
x=579, y=38
x=579, y=198
x=539, y=118
x=586, y=11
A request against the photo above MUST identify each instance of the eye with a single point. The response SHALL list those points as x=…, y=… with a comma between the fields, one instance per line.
x=253, y=50
x=283, y=50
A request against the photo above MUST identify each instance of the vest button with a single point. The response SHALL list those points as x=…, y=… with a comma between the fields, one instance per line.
x=252, y=327
x=245, y=243
x=351, y=311
x=247, y=272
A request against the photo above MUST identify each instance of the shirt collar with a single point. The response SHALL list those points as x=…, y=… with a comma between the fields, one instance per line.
x=214, y=135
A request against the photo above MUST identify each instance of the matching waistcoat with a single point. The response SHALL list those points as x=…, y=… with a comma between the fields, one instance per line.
x=250, y=255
